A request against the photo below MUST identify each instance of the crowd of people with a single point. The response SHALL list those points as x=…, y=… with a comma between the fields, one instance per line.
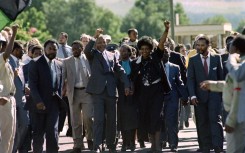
x=140, y=89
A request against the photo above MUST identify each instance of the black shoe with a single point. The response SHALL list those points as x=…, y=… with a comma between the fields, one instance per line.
x=164, y=144
x=142, y=144
x=90, y=144
x=124, y=148
x=112, y=151
x=69, y=132
x=174, y=149
x=218, y=150
x=132, y=147
x=187, y=124
x=199, y=150
x=97, y=150
x=76, y=150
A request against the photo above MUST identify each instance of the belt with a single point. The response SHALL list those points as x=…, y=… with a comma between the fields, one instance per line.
x=81, y=88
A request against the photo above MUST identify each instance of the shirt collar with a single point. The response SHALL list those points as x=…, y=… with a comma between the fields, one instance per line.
x=14, y=58
x=208, y=56
x=48, y=60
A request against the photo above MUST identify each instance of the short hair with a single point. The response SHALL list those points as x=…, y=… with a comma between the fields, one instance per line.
x=17, y=44
x=128, y=48
x=239, y=43
x=145, y=40
x=36, y=47
x=53, y=41
x=65, y=34
x=85, y=36
x=177, y=48
x=243, y=31
x=229, y=38
x=77, y=42
x=205, y=38
x=132, y=29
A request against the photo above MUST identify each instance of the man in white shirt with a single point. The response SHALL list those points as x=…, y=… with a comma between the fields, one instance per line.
x=76, y=73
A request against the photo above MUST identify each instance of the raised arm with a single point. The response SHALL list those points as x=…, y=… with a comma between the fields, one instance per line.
x=88, y=50
x=10, y=45
x=164, y=35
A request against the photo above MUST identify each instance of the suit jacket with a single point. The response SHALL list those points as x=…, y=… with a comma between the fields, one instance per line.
x=196, y=74
x=178, y=88
x=69, y=74
x=40, y=83
x=178, y=59
x=19, y=84
x=100, y=80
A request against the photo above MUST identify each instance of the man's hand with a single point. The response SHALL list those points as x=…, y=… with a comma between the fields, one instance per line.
x=3, y=100
x=167, y=24
x=15, y=28
x=98, y=32
x=127, y=91
x=228, y=129
x=205, y=85
x=40, y=106
x=27, y=91
x=194, y=101
x=184, y=102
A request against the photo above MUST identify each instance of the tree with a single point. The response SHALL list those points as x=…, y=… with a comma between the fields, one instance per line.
x=79, y=16
x=218, y=19
x=241, y=26
x=183, y=18
x=146, y=16
x=33, y=24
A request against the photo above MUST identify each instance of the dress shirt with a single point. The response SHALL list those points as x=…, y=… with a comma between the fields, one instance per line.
x=6, y=77
x=60, y=51
x=79, y=83
x=166, y=66
x=53, y=68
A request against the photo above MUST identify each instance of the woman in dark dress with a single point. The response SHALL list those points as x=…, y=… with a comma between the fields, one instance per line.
x=150, y=85
x=127, y=107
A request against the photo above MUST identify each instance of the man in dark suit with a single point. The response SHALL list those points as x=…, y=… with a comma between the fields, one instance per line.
x=176, y=58
x=102, y=86
x=45, y=85
x=206, y=66
x=171, y=102
x=22, y=119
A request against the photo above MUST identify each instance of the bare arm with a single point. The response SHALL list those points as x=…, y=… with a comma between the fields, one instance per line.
x=10, y=45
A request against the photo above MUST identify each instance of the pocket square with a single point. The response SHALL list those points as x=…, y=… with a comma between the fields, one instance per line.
x=215, y=68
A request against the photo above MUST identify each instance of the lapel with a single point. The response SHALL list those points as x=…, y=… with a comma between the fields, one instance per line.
x=72, y=66
x=211, y=64
x=45, y=68
x=86, y=64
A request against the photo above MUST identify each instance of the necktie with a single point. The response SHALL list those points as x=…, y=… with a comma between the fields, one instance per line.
x=205, y=65
x=51, y=73
x=64, y=51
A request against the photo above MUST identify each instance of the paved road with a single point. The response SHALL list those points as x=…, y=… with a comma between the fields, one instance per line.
x=187, y=142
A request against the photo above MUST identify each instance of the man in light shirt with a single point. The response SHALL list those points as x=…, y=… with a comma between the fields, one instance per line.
x=7, y=101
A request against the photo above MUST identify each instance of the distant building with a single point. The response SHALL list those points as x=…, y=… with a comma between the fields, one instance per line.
x=217, y=33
